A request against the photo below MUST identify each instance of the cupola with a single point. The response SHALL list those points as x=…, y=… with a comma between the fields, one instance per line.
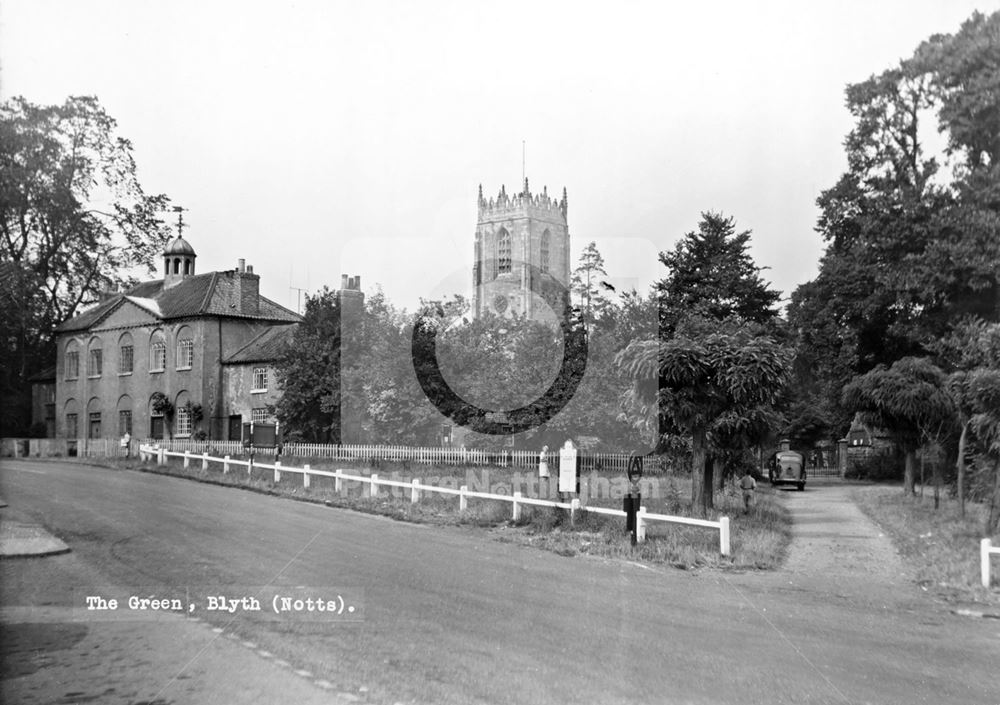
x=178, y=261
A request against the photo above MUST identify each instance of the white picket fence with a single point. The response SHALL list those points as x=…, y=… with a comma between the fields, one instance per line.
x=517, y=500
x=985, y=549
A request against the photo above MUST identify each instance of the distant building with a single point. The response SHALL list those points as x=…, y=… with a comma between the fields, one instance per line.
x=43, y=402
x=201, y=340
x=522, y=255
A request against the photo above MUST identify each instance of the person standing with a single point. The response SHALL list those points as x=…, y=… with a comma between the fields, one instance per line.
x=748, y=485
x=543, y=470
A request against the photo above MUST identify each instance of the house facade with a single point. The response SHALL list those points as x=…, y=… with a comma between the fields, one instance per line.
x=152, y=362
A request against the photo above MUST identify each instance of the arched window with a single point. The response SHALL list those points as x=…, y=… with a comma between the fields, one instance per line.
x=94, y=418
x=126, y=354
x=543, y=262
x=71, y=429
x=177, y=265
x=125, y=415
x=183, y=424
x=503, y=252
x=95, y=358
x=157, y=352
x=185, y=349
x=72, y=360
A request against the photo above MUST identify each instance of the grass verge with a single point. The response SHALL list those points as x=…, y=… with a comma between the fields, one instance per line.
x=940, y=546
x=759, y=538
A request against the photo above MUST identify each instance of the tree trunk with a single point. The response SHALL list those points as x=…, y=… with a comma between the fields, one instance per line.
x=923, y=481
x=718, y=474
x=991, y=520
x=909, y=470
x=708, y=496
x=697, y=468
x=937, y=483
x=960, y=465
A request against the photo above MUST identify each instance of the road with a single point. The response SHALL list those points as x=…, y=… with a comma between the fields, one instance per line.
x=450, y=615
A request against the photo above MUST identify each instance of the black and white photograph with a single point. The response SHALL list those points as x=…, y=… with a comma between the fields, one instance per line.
x=499, y=353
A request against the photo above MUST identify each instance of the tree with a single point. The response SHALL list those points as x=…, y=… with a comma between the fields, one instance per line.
x=710, y=273
x=308, y=372
x=587, y=283
x=709, y=381
x=908, y=399
x=74, y=220
x=911, y=249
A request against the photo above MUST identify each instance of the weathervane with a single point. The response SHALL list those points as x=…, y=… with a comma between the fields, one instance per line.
x=180, y=219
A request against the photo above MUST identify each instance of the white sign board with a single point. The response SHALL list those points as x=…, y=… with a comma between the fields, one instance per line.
x=567, y=467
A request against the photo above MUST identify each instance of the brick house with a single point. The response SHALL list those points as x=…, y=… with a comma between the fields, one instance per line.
x=174, y=336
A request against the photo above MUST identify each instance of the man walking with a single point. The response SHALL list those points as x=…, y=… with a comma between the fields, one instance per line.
x=748, y=485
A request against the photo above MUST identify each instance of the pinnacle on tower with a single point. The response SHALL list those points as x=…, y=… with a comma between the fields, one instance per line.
x=526, y=192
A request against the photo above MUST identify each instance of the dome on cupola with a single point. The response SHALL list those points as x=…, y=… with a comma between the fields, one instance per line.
x=178, y=246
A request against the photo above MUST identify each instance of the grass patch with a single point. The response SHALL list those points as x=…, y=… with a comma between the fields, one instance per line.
x=759, y=538
x=942, y=548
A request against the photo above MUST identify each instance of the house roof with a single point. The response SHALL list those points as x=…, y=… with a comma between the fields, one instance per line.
x=46, y=375
x=211, y=294
x=265, y=347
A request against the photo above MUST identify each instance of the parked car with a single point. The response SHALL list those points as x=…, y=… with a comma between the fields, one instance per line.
x=788, y=468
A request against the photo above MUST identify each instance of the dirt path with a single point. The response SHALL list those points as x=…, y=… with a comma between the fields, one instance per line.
x=838, y=552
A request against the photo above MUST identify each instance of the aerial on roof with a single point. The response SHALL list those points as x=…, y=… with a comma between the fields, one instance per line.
x=212, y=294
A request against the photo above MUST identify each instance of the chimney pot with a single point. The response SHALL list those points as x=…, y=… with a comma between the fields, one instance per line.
x=249, y=269
x=343, y=281
x=242, y=265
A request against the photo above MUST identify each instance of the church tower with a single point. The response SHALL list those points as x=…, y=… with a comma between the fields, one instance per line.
x=522, y=256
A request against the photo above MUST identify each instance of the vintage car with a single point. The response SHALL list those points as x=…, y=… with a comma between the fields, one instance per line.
x=788, y=468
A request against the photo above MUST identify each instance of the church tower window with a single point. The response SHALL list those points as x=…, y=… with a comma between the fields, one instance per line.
x=543, y=262
x=503, y=253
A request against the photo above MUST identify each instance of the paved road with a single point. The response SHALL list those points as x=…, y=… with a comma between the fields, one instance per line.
x=453, y=616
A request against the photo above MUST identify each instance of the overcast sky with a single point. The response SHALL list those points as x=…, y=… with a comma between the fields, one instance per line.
x=320, y=138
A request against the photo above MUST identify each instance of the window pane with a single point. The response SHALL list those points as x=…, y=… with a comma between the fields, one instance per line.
x=71, y=425
x=72, y=365
x=185, y=354
x=126, y=362
x=158, y=356
x=94, y=364
x=259, y=379
x=183, y=421
x=124, y=423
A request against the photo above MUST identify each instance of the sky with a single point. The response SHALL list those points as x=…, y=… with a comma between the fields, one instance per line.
x=315, y=139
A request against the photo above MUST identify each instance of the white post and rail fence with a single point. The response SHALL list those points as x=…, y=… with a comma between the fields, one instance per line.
x=518, y=501
x=986, y=548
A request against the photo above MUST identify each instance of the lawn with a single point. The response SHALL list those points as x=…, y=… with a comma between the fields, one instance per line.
x=759, y=538
x=940, y=546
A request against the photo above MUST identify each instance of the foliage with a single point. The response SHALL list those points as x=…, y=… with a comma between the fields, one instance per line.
x=308, y=372
x=74, y=220
x=587, y=284
x=710, y=273
x=911, y=248
x=722, y=382
x=908, y=399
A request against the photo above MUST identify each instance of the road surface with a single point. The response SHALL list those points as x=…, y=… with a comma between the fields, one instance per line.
x=450, y=615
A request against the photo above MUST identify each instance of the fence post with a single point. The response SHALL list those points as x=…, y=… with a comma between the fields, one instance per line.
x=640, y=525
x=984, y=558
x=187, y=459
x=415, y=491
x=463, y=501
x=161, y=456
x=204, y=461
x=724, y=535
x=338, y=482
x=374, y=485
x=574, y=507
x=225, y=465
x=305, y=476
x=517, y=506
x=277, y=471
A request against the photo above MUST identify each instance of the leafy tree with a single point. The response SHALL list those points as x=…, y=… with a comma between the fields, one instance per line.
x=710, y=273
x=589, y=286
x=908, y=399
x=911, y=249
x=308, y=372
x=74, y=220
x=720, y=382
